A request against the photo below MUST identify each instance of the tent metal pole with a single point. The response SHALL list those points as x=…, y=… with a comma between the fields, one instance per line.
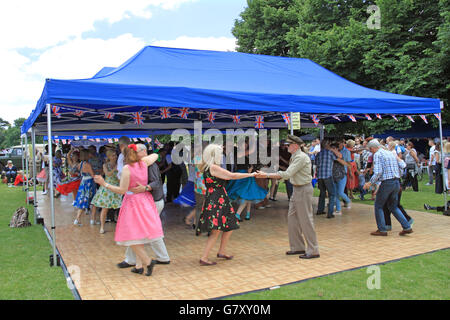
x=27, y=175
x=50, y=186
x=292, y=125
x=444, y=183
x=22, y=147
x=33, y=142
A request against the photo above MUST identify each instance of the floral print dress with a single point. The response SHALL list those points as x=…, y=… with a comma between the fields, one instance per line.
x=105, y=198
x=217, y=212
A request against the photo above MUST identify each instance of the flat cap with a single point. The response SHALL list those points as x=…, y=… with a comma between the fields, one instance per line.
x=294, y=139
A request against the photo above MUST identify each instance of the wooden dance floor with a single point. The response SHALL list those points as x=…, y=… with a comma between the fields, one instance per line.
x=258, y=247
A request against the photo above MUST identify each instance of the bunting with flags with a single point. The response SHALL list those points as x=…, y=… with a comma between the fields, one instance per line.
x=315, y=119
x=410, y=118
x=211, y=117
x=337, y=118
x=237, y=119
x=395, y=118
x=438, y=116
x=159, y=144
x=379, y=116
x=138, y=119
x=259, y=122
x=97, y=139
x=424, y=118
x=184, y=113
x=110, y=140
x=63, y=141
x=352, y=117
x=108, y=115
x=368, y=117
x=116, y=140
x=84, y=137
x=165, y=113
x=148, y=139
x=286, y=118
x=55, y=110
x=79, y=113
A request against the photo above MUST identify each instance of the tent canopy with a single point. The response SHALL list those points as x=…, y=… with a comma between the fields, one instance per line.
x=228, y=83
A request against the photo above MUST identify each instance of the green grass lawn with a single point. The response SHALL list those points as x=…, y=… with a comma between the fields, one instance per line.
x=422, y=277
x=410, y=200
x=25, y=273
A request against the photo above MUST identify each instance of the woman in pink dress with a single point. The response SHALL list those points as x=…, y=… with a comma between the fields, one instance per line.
x=138, y=221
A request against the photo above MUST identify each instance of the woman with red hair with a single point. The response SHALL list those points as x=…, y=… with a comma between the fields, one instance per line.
x=138, y=221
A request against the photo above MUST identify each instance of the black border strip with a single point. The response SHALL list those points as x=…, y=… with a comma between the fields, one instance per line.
x=328, y=274
x=74, y=289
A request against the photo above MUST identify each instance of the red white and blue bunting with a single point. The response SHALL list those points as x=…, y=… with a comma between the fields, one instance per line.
x=259, y=122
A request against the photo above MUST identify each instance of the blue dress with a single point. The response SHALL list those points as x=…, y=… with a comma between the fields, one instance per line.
x=86, y=191
x=245, y=189
x=187, y=196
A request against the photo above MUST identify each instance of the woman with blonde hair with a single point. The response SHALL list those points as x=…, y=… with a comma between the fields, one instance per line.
x=139, y=222
x=217, y=215
x=105, y=198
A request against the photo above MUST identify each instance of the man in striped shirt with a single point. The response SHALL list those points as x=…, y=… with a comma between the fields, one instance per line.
x=386, y=169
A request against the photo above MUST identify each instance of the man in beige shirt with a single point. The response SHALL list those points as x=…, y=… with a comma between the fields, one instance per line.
x=300, y=214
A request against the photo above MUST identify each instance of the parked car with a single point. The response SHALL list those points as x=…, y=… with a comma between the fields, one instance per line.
x=15, y=155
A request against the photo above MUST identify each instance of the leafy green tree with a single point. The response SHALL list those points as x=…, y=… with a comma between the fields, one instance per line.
x=408, y=54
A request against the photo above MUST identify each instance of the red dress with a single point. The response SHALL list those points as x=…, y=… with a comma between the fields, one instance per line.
x=352, y=173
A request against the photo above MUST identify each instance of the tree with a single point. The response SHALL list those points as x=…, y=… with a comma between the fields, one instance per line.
x=408, y=54
x=11, y=136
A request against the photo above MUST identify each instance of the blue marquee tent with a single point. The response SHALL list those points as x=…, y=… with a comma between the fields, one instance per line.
x=228, y=83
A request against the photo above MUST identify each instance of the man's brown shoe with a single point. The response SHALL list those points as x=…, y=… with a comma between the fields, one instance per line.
x=378, y=233
x=403, y=232
x=289, y=253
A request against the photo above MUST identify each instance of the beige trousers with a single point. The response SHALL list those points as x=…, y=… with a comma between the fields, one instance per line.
x=300, y=221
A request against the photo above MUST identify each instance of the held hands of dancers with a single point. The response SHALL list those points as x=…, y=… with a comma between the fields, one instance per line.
x=261, y=174
x=99, y=180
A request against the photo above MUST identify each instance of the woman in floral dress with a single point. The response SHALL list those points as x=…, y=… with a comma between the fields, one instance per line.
x=87, y=188
x=105, y=198
x=218, y=216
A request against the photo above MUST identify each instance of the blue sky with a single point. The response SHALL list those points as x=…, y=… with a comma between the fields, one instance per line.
x=74, y=39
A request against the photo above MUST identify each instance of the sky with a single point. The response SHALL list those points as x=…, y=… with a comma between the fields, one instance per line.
x=64, y=39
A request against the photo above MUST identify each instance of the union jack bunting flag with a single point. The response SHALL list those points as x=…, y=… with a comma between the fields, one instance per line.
x=148, y=139
x=437, y=115
x=165, y=113
x=79, y=113
x=138, y=119
x=236, y=119
x=116, y=140
x=110, y=140
x=109, y=115
x=286, y=118
x=259, y=122
x=410, y=118
x=63, y=141
x=76, y=138
x=55, y=110
x=395, y=118
x=85, y=137
x=184, y=113
x=368, y=117
x=352, y=117
x=337, y=118
x=211, y=117
x=379, y=116
x=424, y=118
x=159, y=144
x=315, y=119
x=56, y=141
x=98, y=140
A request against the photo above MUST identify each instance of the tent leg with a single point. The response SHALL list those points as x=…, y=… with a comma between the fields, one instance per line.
x=27, y=156
x=50, y=186
x=23, y=155
x=322, y=128
x=33, y=142
x=292, y=126
x=444, y=183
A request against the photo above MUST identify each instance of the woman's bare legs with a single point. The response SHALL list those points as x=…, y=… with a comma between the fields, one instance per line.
x=141, y=255
x=209, y=244
x=224, y=241
x=103, y=219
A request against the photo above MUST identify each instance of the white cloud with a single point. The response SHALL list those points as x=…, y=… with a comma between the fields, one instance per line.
x=202, y=43
x=44, y=23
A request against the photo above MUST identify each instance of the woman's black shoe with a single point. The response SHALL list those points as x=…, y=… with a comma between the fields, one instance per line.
x=150, y=268
x=140, y=270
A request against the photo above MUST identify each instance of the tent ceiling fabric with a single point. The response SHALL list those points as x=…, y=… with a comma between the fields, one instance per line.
x=228, y=83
